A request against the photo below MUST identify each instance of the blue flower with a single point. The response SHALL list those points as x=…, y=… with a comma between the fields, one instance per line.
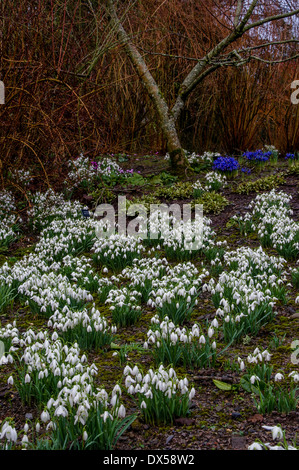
x=246, y=170
x=226, y=164
x=258, y=156
x=290, y=155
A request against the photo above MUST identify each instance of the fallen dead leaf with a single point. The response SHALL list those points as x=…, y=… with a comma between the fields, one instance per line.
x=256, y=418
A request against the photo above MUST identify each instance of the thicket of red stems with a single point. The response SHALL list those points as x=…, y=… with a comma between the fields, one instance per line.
x=70, y=87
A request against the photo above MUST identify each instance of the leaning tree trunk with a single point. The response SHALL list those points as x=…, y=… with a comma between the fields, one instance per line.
x=177, y=155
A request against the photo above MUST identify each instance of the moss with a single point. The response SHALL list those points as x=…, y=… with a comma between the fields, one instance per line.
x=284, y=321
x=181, y=190
x=109, y=370
x=201, y=424
x=179, y=162
x=283, y=349
x=11, y=256
x=3, y=259
x=212, y=202
x=145, y=200
x=136, y=425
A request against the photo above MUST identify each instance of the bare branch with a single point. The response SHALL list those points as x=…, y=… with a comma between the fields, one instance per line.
x=269, y=19
x=277, y=61
x=247, y=16
x=238, y=12
x=180, y=101
x=204, y=60
x=267, y=44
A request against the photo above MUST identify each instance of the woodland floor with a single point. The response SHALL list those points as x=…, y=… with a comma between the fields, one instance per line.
x=219, y=420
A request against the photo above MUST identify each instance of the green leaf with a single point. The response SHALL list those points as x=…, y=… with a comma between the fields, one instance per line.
x=114, y=346
x=246, y=385
x=231, y=223
x=155, y=180
x=135, y=180
x=222, y=385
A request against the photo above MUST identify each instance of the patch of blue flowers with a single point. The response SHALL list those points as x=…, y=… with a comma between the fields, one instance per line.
x=246, y=170
x=290, y=156
x=257, y=156
x=226, y=164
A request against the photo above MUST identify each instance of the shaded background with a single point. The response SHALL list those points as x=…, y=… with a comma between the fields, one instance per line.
x=70, y=87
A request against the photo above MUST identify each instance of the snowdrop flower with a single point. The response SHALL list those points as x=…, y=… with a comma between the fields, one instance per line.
x=25, y=440
x=254, y=378
x=8, y=432
x=127, y=370
x=278, y=377
x=255, y=446
x=114, y=400
x=10, y=380
x=275, y=447
x=148, y=394
x=295, y=375
x=3, y=360
x=131, y=389
x=277, y=432
x=106, y=415
x=129, y=381
x=266, y=355
x=202, y=339
x=54, y=336
x=116, y=390
x=45, y=416
x=121, y=412
x=51, y=425
x=61, y=411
